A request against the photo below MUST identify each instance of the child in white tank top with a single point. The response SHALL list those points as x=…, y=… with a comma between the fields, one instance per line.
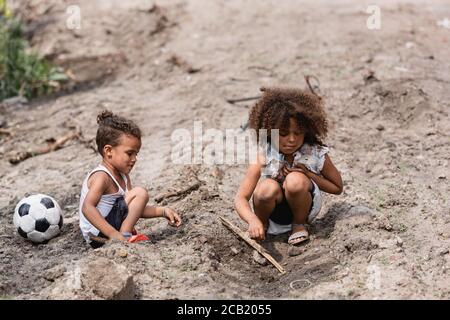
x=109, y=205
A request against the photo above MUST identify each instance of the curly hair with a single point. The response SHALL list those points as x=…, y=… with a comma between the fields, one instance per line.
x=277, y=105
x=111, y=127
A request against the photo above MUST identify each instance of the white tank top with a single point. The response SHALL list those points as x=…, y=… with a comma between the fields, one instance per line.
x=105, y=204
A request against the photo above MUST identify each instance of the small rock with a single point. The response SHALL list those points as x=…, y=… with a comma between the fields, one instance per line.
x=122, y=253
x=399, y=250
x=443, y=251
x=399, y=241
x=2, y=122
x=382, y=91
x=380, y=127
x=385, y=244
x=345, y=272
x=259, y=258
x=358, y=211
x=54, y=273
x=148, y=7
x=214, y=265
x=369, y=77
x=234, y=251
x=295, y=251
x=97, y=278
x=217, y=173
x=202, y=239
x=15, y=102
x=384, y=223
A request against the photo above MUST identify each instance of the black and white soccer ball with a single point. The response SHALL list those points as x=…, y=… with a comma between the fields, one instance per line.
x=38, y=218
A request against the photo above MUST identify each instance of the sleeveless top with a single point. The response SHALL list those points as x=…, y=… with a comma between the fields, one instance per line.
x=312, y=156
x=104, y=205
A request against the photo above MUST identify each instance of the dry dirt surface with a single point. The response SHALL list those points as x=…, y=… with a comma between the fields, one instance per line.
x=166, y=64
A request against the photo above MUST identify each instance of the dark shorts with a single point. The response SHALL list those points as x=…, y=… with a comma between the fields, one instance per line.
x=282, y=213
x=115, y=217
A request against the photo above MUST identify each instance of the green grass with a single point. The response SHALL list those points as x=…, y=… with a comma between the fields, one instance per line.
x=23, y=73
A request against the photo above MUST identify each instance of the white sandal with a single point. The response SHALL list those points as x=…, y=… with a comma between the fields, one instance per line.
x=299, y=236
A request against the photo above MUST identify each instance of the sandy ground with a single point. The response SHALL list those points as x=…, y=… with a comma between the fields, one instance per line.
x=386, y=237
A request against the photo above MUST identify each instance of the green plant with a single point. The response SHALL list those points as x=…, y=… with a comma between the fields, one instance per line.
x=22, y=72
x=402, y=227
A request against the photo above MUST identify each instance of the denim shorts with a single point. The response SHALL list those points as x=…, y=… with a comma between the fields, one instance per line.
x=115, y=218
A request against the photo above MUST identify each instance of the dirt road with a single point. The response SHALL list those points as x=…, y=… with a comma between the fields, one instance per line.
x=387, y=98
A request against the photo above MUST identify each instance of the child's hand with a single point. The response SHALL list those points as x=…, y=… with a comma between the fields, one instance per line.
x=117, y=236
x=172, y=216
x=256, y=229
x=300, y=167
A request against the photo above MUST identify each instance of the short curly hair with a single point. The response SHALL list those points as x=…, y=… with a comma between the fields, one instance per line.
x=111, y=127
x=277, y=105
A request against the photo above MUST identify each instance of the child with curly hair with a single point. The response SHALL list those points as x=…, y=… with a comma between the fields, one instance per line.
x=287, y=179
x=109, y=205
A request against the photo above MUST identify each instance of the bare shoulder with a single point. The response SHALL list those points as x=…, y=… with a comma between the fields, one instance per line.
x=99, y=179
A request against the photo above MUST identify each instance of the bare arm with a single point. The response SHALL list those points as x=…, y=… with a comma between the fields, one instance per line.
x=99, y=182
x=330, y=181
x=156, y=212
x=242, y=198
x=173, y=218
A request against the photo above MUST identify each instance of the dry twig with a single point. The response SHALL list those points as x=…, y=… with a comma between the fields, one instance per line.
x=178, y=193
x=5, y=131
x=252, y=243
x=58, y=144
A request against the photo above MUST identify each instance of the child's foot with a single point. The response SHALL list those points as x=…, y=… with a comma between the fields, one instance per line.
x=299, y=234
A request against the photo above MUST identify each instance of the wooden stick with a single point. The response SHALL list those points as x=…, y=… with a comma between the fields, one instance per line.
x=233, y=101
x=307, y=79
x=5, y=131
x=183, y=191
x=98, y=239
x=252, y=243
x=58, y=144
x=183, y=64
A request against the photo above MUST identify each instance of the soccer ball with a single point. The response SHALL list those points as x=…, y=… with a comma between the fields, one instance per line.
x=38, y=218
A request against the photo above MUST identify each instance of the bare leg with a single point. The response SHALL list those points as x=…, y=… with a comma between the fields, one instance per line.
x=297, y=189
x=267, y=194
x=136, y=200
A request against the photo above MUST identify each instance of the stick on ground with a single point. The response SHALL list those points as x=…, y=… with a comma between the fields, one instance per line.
x=98, y=239
x=5, y=131
x=58, y=144
x=181, y=192
x=253, y=244
x=233, y=101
